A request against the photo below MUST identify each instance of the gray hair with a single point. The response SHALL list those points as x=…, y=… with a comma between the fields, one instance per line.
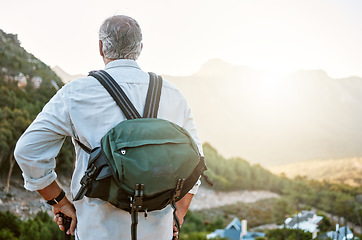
x=121, y=38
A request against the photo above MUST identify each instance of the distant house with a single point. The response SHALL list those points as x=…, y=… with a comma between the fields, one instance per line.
x=343, y=233
x=306, y=220
x=236, y=230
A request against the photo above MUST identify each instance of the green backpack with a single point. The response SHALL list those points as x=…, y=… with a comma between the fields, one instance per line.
x=144, y=163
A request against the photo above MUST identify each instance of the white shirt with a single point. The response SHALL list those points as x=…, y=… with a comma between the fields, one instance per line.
x=83, y=109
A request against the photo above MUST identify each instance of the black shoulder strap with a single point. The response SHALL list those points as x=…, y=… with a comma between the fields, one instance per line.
x=84, y=147
x=117, y=93
x=153, y=96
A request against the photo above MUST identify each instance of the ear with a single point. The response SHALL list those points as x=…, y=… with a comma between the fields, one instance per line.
x=101, y=48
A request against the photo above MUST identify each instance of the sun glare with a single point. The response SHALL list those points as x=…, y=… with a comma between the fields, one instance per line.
x=269, y=83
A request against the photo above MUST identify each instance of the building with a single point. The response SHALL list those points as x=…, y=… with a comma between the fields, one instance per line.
x=343, y=233
x=236, y=230
x=306, y=220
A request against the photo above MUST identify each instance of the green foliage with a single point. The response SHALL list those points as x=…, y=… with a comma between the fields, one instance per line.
x=195, y=236
x=65, y=159
x=218, y=223
x=257, y=213
x=340, y=200
x=41, y=227
x=7, y=234
x=9, y=223
x=193, y=223
x=238, y=174
x=281, y=210
x=288, y=234
x=325, y=225
x=19, y=106
x=16, y=59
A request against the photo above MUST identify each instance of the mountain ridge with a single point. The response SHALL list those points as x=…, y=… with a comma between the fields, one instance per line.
x=272, y=120
x=66, y=77
x=343, y=171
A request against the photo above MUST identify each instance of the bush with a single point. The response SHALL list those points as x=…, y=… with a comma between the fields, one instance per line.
x=41, y=227
x=194, y=236
x=7, y=234
x=9, y=223
x=288, y=234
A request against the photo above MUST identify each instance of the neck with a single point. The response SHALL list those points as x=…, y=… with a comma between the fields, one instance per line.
x=107, y=60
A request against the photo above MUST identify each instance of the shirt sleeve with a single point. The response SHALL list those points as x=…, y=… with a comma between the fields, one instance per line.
x=37, y=148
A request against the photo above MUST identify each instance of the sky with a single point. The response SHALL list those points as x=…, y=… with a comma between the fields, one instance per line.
x=179, y=36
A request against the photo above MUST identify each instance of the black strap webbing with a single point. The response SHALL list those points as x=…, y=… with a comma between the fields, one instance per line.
x=134, y=219
x=175, y=218
x=117, y=93
x=153, y=96
x=84, y=147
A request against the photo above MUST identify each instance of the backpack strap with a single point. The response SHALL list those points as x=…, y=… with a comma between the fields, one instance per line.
x=153, y=96
x=82, y=146
x=175, y=218
x=117, y=93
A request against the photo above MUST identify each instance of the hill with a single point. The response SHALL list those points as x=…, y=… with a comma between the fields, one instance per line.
x=26, y=84
x=342, y=171
x=64, y=76
x=16, y=64
x=274, y=120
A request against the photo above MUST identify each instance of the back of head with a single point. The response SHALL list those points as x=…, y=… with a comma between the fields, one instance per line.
x=121, y=38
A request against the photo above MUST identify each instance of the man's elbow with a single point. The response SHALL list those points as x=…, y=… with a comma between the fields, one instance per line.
x=20, y=152
x=17, y=151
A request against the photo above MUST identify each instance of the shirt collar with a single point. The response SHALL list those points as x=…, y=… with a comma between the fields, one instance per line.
x=122, y=63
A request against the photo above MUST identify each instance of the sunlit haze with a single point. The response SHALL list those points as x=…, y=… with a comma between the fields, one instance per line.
x=179, y=36
x=252, y=100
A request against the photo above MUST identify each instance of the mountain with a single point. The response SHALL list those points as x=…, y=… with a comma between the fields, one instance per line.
x=273, y=120
x=16, y=64
x=66, y=77
x=26, y=84
x=343, y=171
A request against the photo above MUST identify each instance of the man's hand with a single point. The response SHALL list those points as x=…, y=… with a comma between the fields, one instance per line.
x=67, y=208
x=182, y=206
x=64, y=206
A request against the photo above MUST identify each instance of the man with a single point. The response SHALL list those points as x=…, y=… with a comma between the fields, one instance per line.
x=84, y=110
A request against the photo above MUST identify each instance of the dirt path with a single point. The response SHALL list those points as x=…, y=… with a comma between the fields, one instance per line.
x=207, y=198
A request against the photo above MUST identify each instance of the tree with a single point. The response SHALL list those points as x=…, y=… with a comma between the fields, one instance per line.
x=41, y=227
x=299, y=193
x=6, y=234
x=12, y=124
x=10, y=222
x=193, y=223
x=281, y=210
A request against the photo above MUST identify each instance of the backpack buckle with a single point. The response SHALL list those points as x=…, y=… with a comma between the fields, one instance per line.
x=84, y=182
x=88, y=175
x=137, y=199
